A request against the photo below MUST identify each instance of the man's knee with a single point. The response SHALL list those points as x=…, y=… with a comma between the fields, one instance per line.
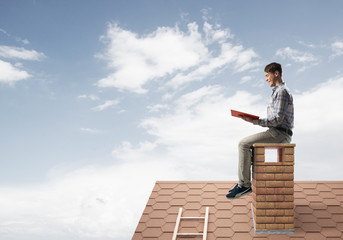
x=244, y=145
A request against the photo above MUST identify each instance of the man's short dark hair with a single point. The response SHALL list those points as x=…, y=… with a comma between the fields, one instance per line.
x=273, y=67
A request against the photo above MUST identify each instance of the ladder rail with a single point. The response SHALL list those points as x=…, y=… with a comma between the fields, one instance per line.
x=178, y=219
x=204, y=236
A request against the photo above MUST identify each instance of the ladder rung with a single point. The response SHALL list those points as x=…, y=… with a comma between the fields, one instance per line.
x=190, y=234
x=192, y=217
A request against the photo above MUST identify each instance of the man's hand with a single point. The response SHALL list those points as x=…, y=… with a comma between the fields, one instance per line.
x=247, y=118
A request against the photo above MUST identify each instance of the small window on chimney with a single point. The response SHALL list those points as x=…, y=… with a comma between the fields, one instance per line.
x=271, y=155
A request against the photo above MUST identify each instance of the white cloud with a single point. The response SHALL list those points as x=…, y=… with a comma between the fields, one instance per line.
x=18, y=39
x=296, y=55
x=137, y=60
x=311, y=45
x=105, y=105
x=215, y=34
x=20, y=53
x=9, y=74
x=245, y=79
x=337, y=48
x=320, y=107
x=90, y=96
x=234, y=56
x=318, y=124
x=307, y=59
x=157, y=107
x=170, y=53
x=90, y=130
x=307, y=44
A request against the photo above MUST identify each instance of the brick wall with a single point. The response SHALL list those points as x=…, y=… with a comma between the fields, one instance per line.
x=273, y=189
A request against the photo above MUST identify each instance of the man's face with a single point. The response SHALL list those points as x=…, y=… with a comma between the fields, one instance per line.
x=271, y=78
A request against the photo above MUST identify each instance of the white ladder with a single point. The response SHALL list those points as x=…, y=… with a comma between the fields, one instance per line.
x=179, y=217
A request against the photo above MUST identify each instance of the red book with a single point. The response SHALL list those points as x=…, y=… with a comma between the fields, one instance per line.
x=240, y=114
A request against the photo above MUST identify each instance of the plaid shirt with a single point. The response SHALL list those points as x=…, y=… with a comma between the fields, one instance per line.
x=280, y=112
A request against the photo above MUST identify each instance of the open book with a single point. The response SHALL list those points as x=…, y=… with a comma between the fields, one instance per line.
x=238, y=114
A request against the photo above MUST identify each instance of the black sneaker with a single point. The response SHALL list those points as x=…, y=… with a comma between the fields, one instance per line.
x=238, y=192
x=234, y=188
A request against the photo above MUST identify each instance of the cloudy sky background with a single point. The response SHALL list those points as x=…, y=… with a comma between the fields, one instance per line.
x=100, y=99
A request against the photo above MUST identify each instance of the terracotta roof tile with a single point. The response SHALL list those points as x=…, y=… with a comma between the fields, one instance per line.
x=223, y=232
x=339, y=226
x=305, y=218
x=180, y=195
x=314, y=198
x=137, y=236
x=240, y=210
x=224, y=213
x=223, y=222
x=224, y=205
x=311, y=191
x=301, y=201
x=302, y=209
x=171, y=218
x=338, y=197
x=241, y=235
x=209, y=194
x=173, y=210
x=181, y=188
x=193, y=198
x=241, y=227
x=308, y=185
x=152, y=232
x=329, y=202
x=241, y=218
x=318, y=212
x=321, y=214
x=331, y=232
x=192, y=206
x=310, y=227
x=178, y=202
x=335, y=209
x=326, y=223
x=160, y=214
x=318, y=205
x=338, y=218
x=315, y=236
x=161, y=205
x=210, y=187
x=328, y=195
x=323, y=188
x=209, y=202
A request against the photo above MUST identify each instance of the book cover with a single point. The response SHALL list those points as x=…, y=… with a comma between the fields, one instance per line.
x=239, y=114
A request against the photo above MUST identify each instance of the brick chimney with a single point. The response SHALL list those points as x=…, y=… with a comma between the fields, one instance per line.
x=273, y=189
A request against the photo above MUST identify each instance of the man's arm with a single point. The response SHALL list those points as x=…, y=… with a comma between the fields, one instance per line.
x=248, y=119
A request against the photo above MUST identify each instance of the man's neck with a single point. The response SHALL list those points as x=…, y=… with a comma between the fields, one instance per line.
x=277, y=82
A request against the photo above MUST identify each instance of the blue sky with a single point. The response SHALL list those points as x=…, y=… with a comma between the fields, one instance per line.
x=100, y=99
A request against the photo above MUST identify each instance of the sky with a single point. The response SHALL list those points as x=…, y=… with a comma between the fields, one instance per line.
x=101, y=99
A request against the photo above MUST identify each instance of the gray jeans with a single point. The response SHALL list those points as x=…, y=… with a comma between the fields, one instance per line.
x=272, y=135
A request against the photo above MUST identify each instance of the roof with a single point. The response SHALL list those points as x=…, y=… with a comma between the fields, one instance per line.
x=318, y=211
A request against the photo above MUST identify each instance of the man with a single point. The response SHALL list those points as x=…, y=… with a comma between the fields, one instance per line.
x=280, y=121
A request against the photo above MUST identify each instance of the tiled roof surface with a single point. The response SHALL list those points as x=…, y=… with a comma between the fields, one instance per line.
x=318, y=211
